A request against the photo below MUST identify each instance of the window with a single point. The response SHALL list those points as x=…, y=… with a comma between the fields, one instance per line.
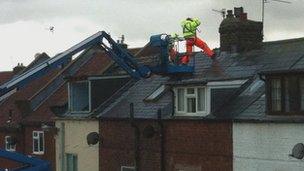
x=79, y=96
x=38, y=142
x=10, y=143
x=276, y=94
x=127, y=168
x=285, y=94
x=190, y=100
x=72, y=162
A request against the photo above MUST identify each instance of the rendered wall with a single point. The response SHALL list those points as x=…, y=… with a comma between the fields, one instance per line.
x=75, y=141
x=266, y=146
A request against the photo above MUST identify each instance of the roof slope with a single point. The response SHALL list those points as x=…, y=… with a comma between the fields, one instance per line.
x=248, y=102
x=95, y=65
x=5, y=76
x=24, y=94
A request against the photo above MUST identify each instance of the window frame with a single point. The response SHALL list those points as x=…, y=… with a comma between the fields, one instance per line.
x=74, y=156
x=224, y=84
x=70, y=93
x=6, y=144
x=39, y=152
x=186, y=96
x=126, y=167
x=282, y=78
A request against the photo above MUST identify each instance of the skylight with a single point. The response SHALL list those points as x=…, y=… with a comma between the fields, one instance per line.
x=156, y=94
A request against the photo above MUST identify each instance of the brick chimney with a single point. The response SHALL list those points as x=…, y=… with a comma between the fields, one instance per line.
x=121, y=42
x=17, y=69
x=238, y=34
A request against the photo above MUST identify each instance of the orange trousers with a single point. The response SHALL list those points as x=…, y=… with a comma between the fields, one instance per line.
x=190, y=42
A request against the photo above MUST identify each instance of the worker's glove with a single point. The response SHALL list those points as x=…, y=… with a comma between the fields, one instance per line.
x=176, y=37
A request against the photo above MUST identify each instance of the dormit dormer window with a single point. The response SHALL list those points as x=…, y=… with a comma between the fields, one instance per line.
x=87, y=93
x=285, y=94
x=79, y=96
x=201, y=100
x=190, y=100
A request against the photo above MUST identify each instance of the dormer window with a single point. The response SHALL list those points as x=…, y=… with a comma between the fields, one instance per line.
x=87, y=93
x=190, y=100
x=204, y=99
x=285, y=94
x=79, y=96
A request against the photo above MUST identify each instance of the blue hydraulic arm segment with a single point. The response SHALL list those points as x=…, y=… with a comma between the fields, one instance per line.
x=40, y=70
x=127, y=61
x=31, y=163
x=123, y=58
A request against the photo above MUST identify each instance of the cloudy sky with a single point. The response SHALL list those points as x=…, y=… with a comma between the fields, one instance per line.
x=24, y=23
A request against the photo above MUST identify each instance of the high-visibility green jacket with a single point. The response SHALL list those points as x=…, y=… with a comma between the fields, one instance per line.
x=189, y=27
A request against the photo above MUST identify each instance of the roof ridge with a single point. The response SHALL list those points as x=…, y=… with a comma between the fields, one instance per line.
x=299, y=39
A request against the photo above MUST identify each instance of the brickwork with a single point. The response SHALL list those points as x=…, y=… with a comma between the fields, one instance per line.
x=19, y=148
x=49, y=149
x=188, y=144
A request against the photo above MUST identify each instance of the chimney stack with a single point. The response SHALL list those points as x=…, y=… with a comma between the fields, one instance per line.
x=121, y=42
x=238, y=34
x=17, y=69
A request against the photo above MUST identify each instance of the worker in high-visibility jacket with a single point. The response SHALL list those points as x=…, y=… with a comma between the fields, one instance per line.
x=189, y=32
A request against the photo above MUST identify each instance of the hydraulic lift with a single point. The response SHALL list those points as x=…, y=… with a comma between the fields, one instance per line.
x=29, y=163
x=120, y=55
x=117, y=53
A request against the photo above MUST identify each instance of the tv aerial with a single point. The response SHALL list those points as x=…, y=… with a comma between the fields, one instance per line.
x=263, y=8
x=222, y=12
x=50, y=29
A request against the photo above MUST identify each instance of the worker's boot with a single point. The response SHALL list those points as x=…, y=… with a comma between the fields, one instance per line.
x=213, y=56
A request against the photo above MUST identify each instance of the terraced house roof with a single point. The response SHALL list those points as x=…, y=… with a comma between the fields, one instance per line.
x=245, y=103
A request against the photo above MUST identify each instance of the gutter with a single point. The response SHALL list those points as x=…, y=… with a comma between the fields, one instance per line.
x=62, y=146
x=162, y=140
x=136, y=138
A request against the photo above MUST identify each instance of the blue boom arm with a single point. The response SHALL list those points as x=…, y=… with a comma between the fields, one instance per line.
x=123, y=58
x=31, y=163
x=120, y=55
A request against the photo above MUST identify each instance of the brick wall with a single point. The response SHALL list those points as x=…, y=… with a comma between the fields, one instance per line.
x=49, y=150
x=192, y=145
x=19, y=148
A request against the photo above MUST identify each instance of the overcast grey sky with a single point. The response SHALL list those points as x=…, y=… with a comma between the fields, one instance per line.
x=24, y=23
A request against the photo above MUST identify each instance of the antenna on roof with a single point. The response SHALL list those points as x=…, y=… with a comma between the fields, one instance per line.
x=51, y=29
x=222, y=12
x=263, y=8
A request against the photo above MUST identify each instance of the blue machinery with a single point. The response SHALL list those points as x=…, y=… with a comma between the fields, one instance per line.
x=121, y=56
x=128, y=62
x=30, y=163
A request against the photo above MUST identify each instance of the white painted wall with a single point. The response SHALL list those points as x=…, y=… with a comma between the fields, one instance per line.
x=75, y=132
x=266, y=146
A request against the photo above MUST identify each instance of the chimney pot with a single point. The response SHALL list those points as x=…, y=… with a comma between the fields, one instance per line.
x=237, y=35
x=243, y=17
x=238, y=11
x=229, y=14
x=17, y=69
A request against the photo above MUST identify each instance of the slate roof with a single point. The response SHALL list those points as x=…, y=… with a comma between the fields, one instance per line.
x=248, y=102
x=99, y=64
